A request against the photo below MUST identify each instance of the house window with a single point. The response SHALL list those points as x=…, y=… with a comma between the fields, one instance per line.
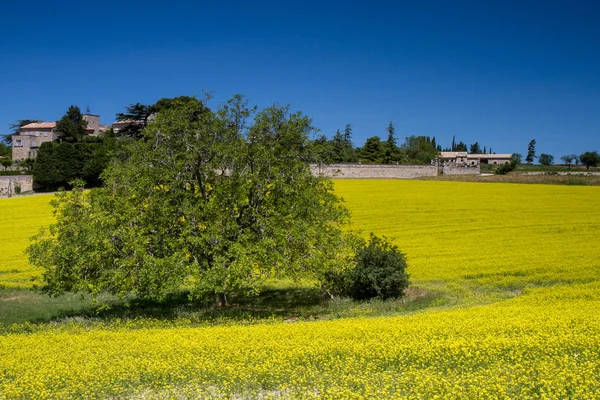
x=18, y=143
x=37, y=134
x=45, y=134
x=33, y=143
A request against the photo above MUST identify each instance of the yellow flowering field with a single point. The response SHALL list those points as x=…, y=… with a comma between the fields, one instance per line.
x=538, y=245
x=20, y=218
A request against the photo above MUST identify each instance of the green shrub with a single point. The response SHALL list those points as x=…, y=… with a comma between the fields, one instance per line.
x=379, y=271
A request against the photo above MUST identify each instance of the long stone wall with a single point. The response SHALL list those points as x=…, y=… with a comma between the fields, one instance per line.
x=8, y=184
x=363, y=171
x=450, y=169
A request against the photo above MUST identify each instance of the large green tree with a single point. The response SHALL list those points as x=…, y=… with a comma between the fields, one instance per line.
x=373, y=152
x=342, y=150
x=71, y=127
x=590, y=159
x=209, y=201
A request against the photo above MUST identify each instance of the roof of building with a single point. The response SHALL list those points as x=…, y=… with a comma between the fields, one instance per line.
x=491, y=155
x=39, y=125
x=454, y=154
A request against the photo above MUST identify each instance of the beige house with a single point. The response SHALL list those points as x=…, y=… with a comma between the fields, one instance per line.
x=462, y=158
x=31, y=136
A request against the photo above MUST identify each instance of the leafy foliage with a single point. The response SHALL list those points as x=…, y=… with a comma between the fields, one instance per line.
x=546, y=159
x=419, y=149
x=6, y=163
x=590, y=159
x=72, y=127
x=139, y=115
x=5, y=150
x=569, y=159
x=504, y=169
x=58, y=163
x=379, y=271
x=206, y=201
x=373, y=152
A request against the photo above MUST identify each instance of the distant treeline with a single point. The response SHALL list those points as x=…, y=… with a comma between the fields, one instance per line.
x=414, y=150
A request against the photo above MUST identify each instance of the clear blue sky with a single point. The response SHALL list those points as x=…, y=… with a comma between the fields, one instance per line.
x=501, y=73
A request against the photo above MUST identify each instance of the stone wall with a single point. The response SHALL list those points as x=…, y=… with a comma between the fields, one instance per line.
x=362, y=171
x=7, y=184
x=453, y=169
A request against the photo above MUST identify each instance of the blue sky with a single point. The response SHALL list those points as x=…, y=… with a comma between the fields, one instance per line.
x=501, y=73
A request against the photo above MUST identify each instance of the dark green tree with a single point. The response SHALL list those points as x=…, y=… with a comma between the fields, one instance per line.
x=341, y=146
x=71, y=127
x=461, y=147
x=373, y=152
x=139, y=115
x=530, y=152
x=392, y=152
x=546, y=159
x=475, y=148
x=209, y=200
x=590, y=159
x=517, y=158
x=59, y=163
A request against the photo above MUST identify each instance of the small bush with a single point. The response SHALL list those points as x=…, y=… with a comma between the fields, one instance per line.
x=379, y=271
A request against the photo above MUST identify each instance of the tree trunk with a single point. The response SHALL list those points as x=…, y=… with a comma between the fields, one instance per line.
x=221, y=299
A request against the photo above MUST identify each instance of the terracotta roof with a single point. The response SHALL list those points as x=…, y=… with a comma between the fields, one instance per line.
x=454, y=154
x=39, y=125
x=492, y=155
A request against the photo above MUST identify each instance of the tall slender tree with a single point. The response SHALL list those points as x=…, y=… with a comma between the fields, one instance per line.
x=391, y=149
x=530, y=152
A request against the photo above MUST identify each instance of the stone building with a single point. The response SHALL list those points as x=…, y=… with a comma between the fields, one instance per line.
x=462, y=158
x=31, y=136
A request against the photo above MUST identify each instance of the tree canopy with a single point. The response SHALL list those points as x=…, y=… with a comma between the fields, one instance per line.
x=208, y=201
x=546, y=159
x=72, y=127
x=590, y=159
x=140, y=114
